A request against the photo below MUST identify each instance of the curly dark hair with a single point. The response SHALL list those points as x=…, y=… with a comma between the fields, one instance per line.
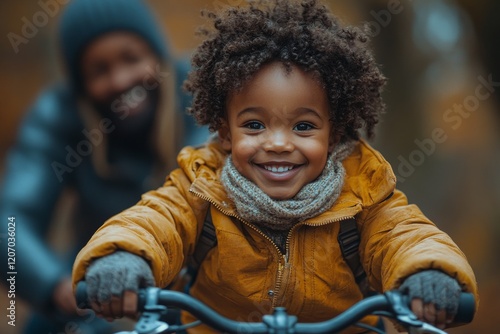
x=304, y=34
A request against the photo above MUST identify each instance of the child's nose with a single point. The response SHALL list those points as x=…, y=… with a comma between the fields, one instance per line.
x=278, y=141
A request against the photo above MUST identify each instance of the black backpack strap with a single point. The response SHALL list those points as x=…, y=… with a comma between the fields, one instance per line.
x=206, y=241
x=349, y=241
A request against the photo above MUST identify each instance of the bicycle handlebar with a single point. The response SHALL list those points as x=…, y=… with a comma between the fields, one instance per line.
x=153, y=299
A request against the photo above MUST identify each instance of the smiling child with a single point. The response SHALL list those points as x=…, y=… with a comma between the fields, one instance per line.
x=289, y=91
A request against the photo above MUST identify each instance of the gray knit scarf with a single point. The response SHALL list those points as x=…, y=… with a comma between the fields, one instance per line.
x=277, y=216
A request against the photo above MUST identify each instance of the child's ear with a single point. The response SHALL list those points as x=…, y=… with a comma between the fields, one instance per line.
x=333, y=141
x=225, y=136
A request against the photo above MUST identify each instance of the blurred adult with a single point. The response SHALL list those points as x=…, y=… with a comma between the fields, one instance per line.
x=97, y=133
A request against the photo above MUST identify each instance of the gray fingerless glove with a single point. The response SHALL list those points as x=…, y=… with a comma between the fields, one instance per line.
x=433, y=286
x=113, y=274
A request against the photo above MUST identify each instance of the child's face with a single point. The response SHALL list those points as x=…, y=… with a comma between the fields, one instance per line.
x=278, y=130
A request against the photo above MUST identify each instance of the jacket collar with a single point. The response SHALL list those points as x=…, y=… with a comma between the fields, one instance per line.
x=369, y=180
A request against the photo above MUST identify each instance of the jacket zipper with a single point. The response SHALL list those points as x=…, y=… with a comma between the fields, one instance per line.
x=281, y=266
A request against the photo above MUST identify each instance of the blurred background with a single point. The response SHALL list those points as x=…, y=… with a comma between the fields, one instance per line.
x=440, y=131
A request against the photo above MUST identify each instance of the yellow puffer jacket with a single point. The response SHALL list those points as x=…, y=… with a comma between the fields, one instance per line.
x=246, y=275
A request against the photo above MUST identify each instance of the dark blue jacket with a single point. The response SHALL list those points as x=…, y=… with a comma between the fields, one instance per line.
x=32, y=188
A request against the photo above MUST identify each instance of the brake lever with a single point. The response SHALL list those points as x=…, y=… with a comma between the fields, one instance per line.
x=149, y=322
x=407, y=318
x=401, y=311
x=426, y=328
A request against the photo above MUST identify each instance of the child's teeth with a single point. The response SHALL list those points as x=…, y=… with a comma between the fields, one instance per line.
x=279, y=169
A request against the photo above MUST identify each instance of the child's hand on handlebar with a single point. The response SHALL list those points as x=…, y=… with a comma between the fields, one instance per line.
x=113, y=282
x=434, y=296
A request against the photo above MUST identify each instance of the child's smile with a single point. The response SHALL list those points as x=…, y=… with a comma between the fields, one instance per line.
x=278, y=130
x=279, y=171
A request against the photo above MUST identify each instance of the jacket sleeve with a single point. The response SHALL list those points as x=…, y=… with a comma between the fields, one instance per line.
x=29, y=193
x=162, y=228
x=397, y=240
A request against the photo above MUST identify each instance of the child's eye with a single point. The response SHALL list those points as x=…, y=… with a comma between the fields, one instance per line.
x=303, y=127
x=254, y=126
